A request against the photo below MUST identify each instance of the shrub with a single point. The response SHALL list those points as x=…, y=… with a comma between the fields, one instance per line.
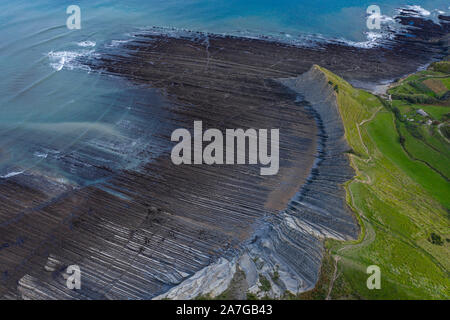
x=446, y=131
x=414, y=130
x=446, y=117
x=397, y=113
x=276, y=275
x=265, y=284
x=419, y=86
x=251, y=296
x=442, y=66
x=436, y=239
x=414, y=98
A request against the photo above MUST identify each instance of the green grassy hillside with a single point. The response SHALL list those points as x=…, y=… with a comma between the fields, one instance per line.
x=423, y=127
x=400, y=192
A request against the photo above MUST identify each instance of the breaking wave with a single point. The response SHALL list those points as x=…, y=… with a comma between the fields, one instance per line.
x=69, y=59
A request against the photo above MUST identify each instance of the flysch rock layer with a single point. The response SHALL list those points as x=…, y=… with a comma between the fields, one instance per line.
x=150, y=229
x=290, y=244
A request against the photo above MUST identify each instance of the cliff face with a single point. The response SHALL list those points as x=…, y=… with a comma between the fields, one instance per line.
x=292, y=243
x=324, y=190
x=319, y=210
x=286, y=251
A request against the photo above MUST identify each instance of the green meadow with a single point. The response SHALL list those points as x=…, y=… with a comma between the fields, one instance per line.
x=400, y=193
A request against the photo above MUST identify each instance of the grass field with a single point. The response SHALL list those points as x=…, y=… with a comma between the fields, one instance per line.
x=401, y=197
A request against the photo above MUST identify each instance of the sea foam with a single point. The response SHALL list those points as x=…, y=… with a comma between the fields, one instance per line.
x=87, y=44
x=69, y=59
x=11, y=174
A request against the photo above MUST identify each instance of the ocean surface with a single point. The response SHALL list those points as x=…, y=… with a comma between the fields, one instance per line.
x=59, y=118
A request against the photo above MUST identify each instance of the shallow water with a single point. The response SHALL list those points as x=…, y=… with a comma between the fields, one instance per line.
x=59, y=118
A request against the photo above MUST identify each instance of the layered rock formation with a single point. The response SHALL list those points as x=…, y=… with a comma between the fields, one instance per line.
x=287, y=249
x=146, y=230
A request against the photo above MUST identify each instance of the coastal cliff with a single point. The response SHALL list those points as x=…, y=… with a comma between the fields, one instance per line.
x=399, y=192
x=158, y=230
x=285, y=254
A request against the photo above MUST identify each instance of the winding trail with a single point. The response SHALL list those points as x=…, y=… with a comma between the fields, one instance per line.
x=333, y=279
x=369, y=233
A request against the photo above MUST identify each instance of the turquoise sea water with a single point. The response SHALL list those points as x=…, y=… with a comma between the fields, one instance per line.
x=52, y=107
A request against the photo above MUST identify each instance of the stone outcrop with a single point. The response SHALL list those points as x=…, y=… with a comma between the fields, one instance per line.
x=287, y=249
